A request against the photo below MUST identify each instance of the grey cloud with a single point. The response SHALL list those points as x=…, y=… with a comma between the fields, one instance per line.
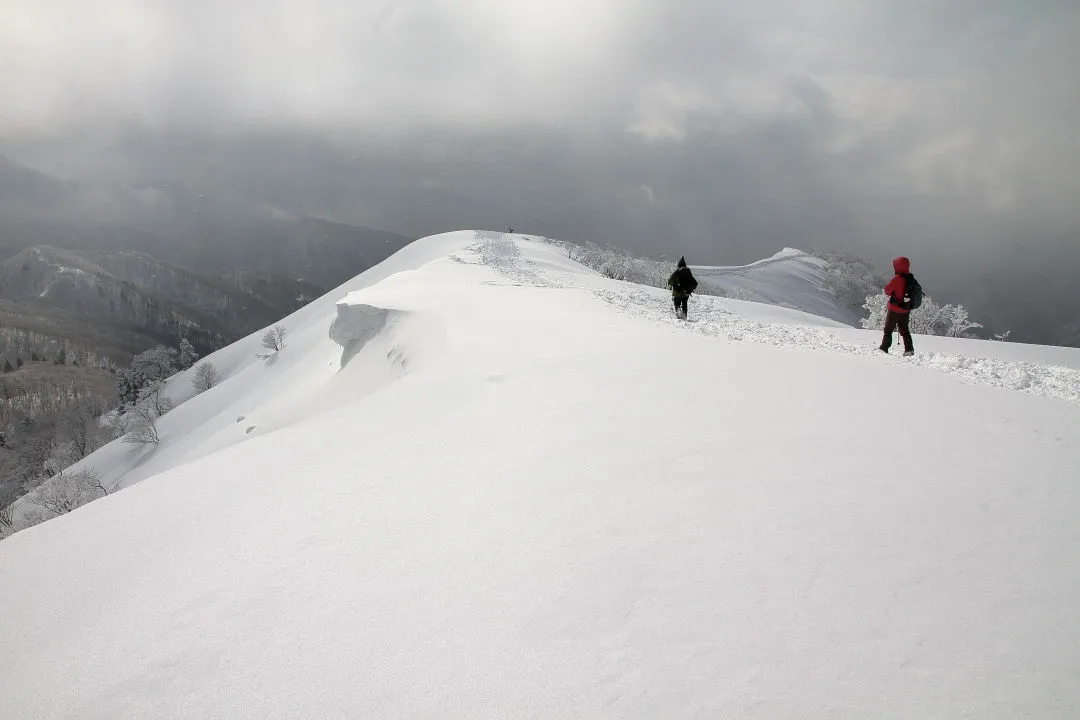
x=932, y=127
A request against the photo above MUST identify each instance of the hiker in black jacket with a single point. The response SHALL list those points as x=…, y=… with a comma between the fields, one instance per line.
x=682, y=283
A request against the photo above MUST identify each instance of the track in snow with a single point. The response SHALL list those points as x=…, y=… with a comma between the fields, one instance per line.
x=712, y=319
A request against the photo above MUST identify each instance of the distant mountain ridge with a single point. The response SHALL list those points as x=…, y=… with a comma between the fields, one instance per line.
x=165, y=261
x=63, y=282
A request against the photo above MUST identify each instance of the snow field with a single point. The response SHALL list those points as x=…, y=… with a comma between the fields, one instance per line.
x=1051, y=372
x=485, y=482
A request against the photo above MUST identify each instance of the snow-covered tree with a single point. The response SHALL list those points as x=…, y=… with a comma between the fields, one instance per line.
x=152, y=397
x=953, y=321
x=875, y=307
x=142, y=428
x=140, y=419
x=66, y=491
x=274, y=339
x=115, y=424
x=620, y=265
x=80, y=425
x=205, y=377
x=743, y=293
x=849, y=277
x=188, y=354
x=929, y=319
x=127, y=388
x=7, y=520
x=157, y=363
x=151, y=366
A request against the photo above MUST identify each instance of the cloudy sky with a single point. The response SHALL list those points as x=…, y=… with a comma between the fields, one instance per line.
x=720, y=128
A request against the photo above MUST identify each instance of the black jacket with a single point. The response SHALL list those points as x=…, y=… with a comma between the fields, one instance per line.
x=682, y=282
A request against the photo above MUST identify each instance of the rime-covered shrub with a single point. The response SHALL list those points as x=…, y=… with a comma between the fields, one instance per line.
x=929, y=319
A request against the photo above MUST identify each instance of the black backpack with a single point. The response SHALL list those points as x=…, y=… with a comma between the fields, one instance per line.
x=689, y=282
x=913, y=292
x=683, y=281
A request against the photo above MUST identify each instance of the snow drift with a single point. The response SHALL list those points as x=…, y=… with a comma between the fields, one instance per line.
x=483, y=481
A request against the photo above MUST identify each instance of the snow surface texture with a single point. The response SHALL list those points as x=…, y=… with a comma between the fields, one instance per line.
x=483, y=481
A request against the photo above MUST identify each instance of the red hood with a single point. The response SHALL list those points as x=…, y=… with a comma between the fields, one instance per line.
x=901, y=265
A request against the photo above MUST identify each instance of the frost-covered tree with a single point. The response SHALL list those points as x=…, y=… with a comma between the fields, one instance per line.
x=151, y=366
x=188, y=355
x=80, y=425
x=127, y=388
x=743, y=293
x=140, y=419
x=57, y=495
x=67, y=491
x=620, y=265
x=875, y=307
x=929, y=319
x=157, y=363
x=274, y=339
x=152, y=397
x=205, y=377
x=7, y=520
x=952, y=321
x=115, y=424
x=849, y=278
x=142, y=427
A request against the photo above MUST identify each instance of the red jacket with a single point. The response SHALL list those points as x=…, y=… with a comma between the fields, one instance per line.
x=896, y=287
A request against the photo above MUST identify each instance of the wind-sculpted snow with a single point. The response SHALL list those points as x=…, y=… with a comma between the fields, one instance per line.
x=717, y=317
x=354, y=326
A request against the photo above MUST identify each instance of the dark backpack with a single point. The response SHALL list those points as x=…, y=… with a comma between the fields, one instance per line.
x=913, y=292
x=683, y=281
x=686, y=280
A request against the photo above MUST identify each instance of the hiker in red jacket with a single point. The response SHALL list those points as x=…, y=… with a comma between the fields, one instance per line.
x=897, y=315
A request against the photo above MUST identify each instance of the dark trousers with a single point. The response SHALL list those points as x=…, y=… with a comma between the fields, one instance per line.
x=680, y=302
x=897, y=321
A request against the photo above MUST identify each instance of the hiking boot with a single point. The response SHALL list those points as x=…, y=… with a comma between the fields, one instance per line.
x=909, y=353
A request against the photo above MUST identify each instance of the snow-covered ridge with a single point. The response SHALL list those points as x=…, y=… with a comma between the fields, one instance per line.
x=481, y=480
x=791, y=278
